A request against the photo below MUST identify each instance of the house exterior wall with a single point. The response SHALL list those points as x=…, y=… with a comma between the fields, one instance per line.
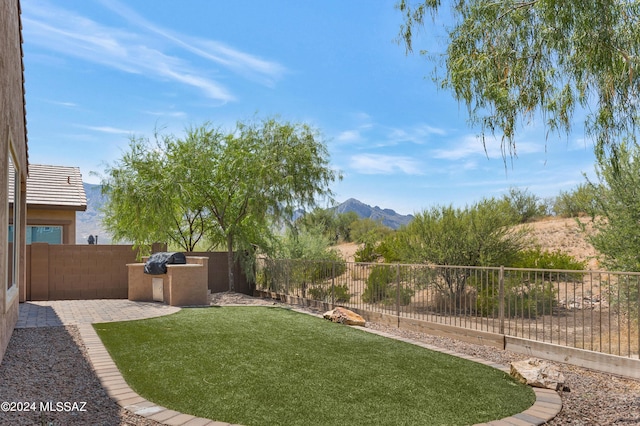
x=12, y=140
x=48, y=217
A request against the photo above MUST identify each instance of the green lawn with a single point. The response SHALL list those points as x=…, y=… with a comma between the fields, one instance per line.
x=270, y=366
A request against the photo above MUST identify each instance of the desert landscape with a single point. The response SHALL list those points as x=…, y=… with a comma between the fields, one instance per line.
x=550, y=234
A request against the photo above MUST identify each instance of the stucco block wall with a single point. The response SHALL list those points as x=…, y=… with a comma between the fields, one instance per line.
x=219, y=276
x=59, y=272
x=12, y=131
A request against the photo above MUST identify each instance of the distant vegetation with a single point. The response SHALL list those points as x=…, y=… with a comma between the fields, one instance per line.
x=611, y=202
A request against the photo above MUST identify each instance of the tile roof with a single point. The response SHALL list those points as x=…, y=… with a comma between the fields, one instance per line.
x=57, y=187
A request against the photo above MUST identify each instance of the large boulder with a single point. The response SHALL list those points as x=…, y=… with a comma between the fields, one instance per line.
x=538, y=373
x=344, y=316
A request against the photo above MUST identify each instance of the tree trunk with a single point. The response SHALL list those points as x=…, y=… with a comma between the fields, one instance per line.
x=230, y=262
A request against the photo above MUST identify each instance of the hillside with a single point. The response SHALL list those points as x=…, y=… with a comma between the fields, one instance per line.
x=564, y=234
x=550, y=234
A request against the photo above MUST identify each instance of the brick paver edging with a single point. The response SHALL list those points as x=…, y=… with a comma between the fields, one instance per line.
x=548, y=403
x=119, y=390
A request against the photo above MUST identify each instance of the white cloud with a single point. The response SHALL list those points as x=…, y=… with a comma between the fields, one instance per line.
x=471, y=146
x=176, y=114
x=72, y=35
x=349, y=136
x=384, y=164
x=62, y=103
x=418, y=134
x=216, y=51
x=108, y=129
x=388, y=136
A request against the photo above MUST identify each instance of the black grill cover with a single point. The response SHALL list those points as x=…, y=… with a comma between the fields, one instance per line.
x=157, y=263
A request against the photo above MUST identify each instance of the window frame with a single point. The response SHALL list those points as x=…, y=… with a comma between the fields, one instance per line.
x=11, y=283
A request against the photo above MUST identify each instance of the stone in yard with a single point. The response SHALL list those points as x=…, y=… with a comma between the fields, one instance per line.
x=538, y=373
x=344, y=316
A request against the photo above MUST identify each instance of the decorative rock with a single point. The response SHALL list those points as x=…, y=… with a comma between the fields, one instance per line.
x=538, y=373
x=344, y=316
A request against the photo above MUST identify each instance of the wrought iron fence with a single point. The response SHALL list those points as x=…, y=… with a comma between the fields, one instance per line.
x=593, y=310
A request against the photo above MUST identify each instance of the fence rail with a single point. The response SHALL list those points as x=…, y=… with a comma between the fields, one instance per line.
x=592, y=310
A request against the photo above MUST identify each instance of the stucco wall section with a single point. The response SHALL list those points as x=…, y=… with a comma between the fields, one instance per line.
x=12, y=128
x=59, y=272
x=64, y=218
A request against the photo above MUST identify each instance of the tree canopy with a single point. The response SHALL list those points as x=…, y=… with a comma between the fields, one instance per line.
x=477, y=235
x=509, y=61
x=615, y=208
x=144, y=205
x=228, y=187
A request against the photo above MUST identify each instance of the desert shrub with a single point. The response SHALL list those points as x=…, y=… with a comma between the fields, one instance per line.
x=379, y=284
x=478, y=235
x=538, y=259
x=368, y=231
x=367, y=253
x=303, y=273
x=524, y=205
x=577, y=202
x=522, y=298
x=340, y=293
x=382, y=287
x=391, y=247
x=290, y=275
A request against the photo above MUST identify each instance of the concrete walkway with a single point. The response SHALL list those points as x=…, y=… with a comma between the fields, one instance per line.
x=83, y=313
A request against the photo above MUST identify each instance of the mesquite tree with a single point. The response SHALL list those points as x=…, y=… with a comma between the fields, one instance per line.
x=510, y=61
x=231, y=186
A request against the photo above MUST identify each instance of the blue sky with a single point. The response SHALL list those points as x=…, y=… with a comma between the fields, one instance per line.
x=99, y=71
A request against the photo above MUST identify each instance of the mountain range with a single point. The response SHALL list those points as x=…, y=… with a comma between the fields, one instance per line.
x=89, y=222
x=388, y=217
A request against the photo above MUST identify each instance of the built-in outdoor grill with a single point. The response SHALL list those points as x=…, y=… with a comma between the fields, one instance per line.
x=157, y=263
x=170, y=277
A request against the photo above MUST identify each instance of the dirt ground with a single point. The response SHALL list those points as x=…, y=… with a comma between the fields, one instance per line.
x=563, y=234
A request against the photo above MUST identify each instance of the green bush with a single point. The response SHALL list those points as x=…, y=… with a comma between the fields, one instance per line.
x=367, y=253
x=368, y=231
x=528, y=294
x=577, y=202
x=381, y=287
x=522, y=298
x=340, y=293
x=378, y=284
x=538, y=259
x=524, y=205
x=303, y=274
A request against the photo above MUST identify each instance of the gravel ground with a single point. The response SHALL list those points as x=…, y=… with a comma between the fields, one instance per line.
x=44, y=365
